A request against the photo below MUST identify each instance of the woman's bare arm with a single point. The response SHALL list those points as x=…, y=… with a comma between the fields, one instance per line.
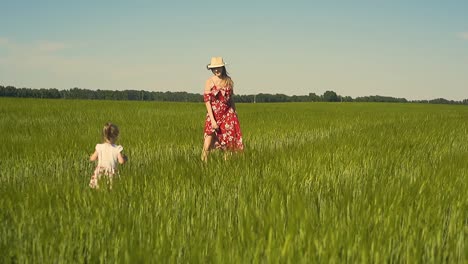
x=208, y=105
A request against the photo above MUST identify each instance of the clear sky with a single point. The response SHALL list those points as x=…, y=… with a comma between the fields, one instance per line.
x=401, y=48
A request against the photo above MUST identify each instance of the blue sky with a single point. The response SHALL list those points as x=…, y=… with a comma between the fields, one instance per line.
x=411, y=49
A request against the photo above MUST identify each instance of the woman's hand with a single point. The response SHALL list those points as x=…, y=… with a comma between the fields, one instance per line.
x=214, y=125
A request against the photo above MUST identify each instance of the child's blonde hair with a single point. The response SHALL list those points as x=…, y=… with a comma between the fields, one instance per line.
x=110, y=132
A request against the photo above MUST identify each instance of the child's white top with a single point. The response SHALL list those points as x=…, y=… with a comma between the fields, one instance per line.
x=108, y=155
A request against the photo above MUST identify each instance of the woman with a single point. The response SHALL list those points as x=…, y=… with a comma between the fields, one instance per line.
x=222, y=129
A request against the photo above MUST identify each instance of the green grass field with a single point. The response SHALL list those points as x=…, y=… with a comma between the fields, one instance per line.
x=317, y=183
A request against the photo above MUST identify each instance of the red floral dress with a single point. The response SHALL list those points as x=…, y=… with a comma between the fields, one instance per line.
x=229, y=135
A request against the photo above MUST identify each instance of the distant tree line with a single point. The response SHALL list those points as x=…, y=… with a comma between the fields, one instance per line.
x=141, y=95
x=77, y=93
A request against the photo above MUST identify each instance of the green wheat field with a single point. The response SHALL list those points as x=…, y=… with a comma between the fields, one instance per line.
x=317, y=183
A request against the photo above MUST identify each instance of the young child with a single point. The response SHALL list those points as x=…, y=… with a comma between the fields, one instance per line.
x=107, y=154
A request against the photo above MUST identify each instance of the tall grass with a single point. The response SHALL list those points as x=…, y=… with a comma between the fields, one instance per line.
x=317, y=182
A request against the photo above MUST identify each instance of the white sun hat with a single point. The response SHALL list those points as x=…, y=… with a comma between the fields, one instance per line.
x=216, y=62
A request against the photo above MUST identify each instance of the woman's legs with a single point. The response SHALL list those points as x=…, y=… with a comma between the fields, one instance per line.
x=206, y=147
